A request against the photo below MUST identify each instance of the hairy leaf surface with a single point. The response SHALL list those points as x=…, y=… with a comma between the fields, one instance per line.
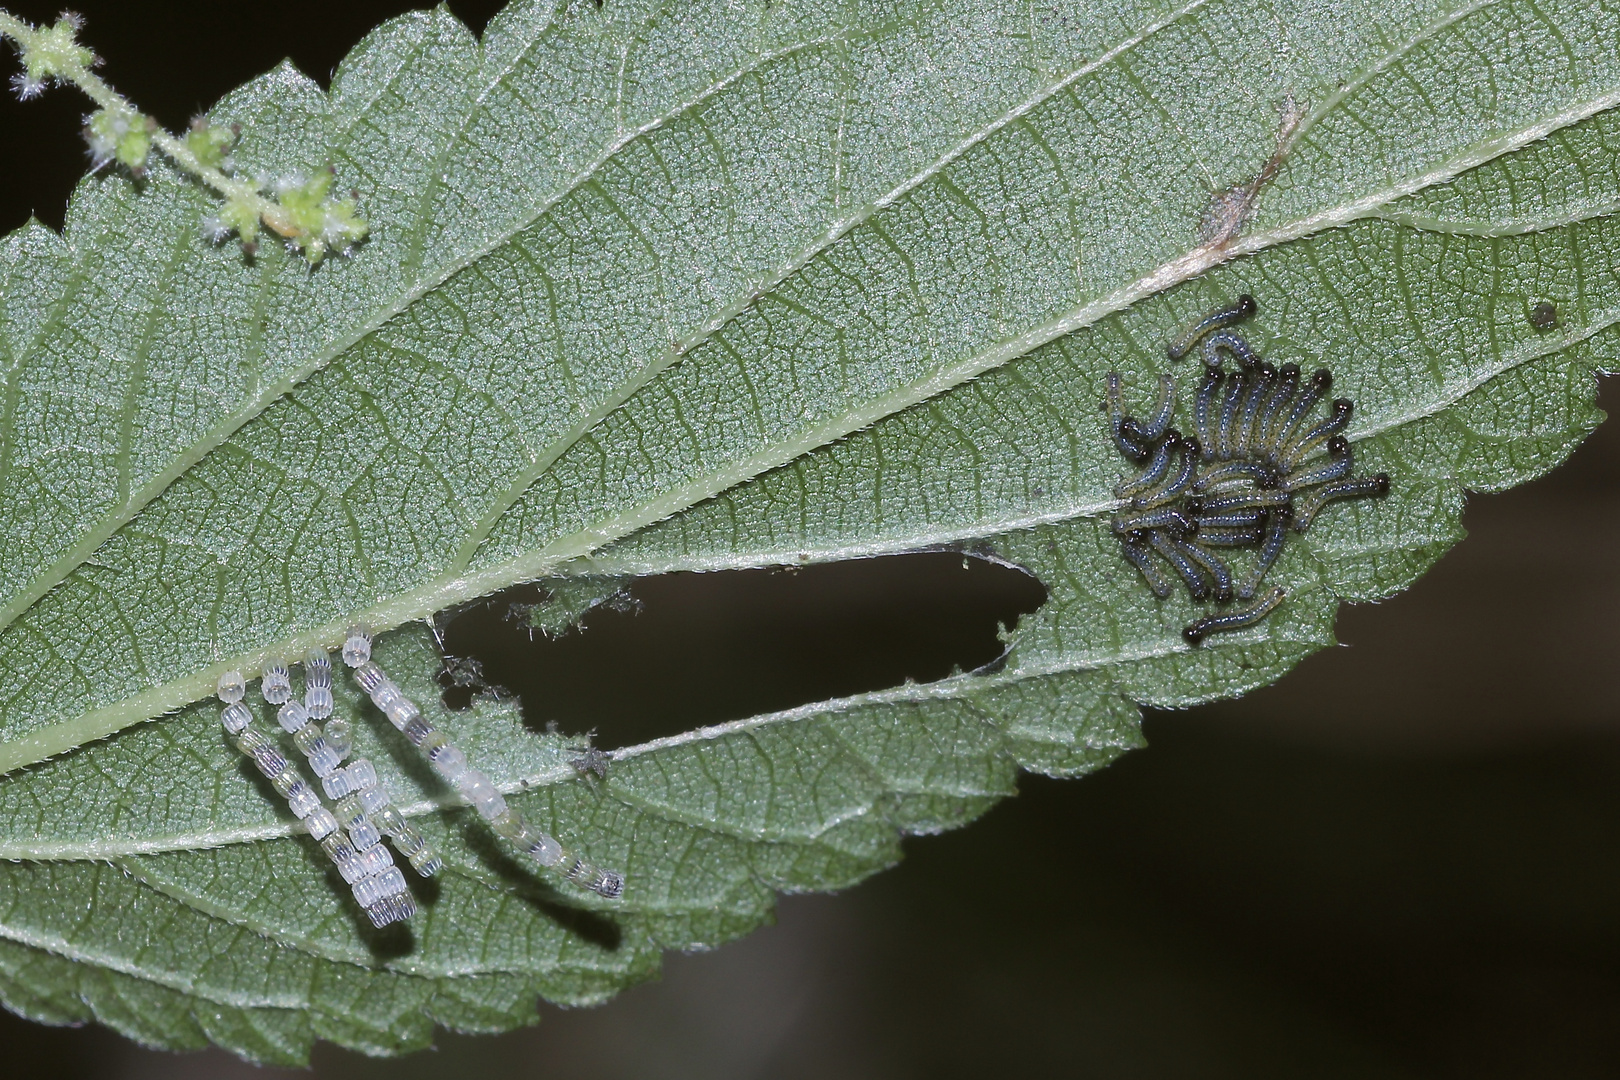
x=651, y=290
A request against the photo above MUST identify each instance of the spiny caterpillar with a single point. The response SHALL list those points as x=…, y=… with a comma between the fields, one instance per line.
x=1258, y=467
x=351, y=832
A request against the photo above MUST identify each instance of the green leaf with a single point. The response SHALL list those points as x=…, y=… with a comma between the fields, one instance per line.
x=648, y=291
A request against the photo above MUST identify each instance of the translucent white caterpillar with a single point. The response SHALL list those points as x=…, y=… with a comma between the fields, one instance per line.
x=352, y=830
x=378, y=885
x=363, y=805
x=451, y=764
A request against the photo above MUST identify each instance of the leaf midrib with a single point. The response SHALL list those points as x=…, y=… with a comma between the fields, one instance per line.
x=787, y=270
x=34, y=748
x=1451, y=394
x=448, y=590
x=951, y=688
x=75, y=557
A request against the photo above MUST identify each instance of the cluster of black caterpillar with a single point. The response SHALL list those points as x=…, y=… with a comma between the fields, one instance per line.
x=1259, y=466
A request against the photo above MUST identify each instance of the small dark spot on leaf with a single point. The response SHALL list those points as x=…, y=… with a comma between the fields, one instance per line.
x=463, y=671
x=591, y=760
x=1544, y=316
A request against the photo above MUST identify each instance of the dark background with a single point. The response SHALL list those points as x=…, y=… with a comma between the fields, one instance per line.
x=1401, y=861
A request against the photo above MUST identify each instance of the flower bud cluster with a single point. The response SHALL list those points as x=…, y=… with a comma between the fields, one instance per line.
x=121, y=135
x=303, y=213
x=51, y=54
x=211, y=144
x=298, y=207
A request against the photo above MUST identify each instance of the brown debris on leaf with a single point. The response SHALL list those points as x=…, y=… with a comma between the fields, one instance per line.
x=1229, y=210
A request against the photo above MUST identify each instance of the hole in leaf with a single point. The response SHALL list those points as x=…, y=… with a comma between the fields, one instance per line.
x=690, y=649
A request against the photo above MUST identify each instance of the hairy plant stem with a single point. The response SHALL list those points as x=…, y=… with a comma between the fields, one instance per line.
x=73, y=71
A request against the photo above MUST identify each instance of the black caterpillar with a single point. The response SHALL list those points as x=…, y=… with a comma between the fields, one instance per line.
x=1259, y=465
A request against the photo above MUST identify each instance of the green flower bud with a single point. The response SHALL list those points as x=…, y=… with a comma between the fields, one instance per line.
x=241, y=217
x=312, y=220
x=211, y=145
x=54, y=50
x=120, y=135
